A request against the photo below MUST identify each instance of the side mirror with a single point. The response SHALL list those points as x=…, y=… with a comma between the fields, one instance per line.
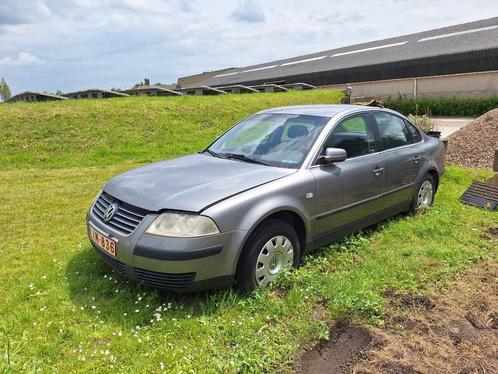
x=334, y=155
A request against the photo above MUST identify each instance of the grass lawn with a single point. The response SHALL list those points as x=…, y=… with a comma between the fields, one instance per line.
x=64, y=310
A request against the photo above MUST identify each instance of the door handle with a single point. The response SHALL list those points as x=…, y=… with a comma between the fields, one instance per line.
x=416, y=160
x=378, y=171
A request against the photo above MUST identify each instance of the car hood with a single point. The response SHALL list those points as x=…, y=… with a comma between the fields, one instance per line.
x=189, y=183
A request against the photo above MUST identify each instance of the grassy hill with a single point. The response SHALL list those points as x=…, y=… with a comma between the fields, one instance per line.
x=135, y=129
x=63, y=310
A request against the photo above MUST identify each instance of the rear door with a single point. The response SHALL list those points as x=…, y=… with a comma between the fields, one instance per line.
x=402, y=156
x=347, y=192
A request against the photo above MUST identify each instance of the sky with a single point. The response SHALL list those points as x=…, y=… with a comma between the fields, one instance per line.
x=68, y=45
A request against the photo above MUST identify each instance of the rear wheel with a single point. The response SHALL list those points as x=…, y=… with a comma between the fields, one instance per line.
x=271, y=248
x=424, y=195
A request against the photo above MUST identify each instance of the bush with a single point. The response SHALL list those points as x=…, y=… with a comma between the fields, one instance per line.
x=424, y=122
x=443, y=106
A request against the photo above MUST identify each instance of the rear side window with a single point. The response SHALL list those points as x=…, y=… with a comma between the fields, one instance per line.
x=416, y=137
x=393, y=131
x=354, y=135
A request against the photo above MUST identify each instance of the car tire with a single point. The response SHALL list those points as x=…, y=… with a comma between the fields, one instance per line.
x=423, y=197
x=266, y=253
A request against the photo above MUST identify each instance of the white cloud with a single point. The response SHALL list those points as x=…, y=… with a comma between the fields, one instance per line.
x=248, y=11
x=116, y=43
x=22, y=59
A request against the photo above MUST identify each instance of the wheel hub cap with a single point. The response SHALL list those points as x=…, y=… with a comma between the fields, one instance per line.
x=425, y=194
x=275, y=255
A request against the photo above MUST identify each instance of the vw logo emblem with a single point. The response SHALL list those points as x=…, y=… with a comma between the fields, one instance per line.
x=110, y=211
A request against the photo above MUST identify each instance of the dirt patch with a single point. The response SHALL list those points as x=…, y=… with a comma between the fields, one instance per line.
x=490, y=234
x=415, y=301
x=475, y=144
x=452, y=330
x=340, y=354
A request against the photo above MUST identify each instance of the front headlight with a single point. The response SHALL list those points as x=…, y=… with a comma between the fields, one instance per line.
x=182, y=225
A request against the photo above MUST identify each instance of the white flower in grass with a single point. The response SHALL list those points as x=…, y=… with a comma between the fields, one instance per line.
x=137, y=310
x=161, y=364
x=120, y=333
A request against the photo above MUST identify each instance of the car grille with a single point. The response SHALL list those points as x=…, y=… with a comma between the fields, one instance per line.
x=165, y=280
x=126, y=218
x=158, y=280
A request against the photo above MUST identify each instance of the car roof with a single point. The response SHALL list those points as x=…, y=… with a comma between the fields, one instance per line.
x=319, y=110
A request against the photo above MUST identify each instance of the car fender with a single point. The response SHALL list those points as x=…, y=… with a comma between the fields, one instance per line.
x=247, y=210
x=434, y=160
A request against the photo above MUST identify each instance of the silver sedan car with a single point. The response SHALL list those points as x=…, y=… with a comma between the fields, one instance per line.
x=273, y=187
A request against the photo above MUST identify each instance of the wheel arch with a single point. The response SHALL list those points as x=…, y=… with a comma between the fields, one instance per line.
x=286, y=214
x=435, y=176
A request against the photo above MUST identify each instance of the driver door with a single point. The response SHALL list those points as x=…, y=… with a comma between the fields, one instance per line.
x=347, y=192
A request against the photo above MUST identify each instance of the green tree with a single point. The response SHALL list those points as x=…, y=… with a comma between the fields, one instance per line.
x=4, y=90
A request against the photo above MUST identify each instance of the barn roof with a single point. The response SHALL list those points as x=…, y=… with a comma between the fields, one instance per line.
x=469, y=47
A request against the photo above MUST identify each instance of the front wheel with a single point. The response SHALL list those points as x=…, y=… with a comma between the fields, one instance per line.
x=271, y=248
x=424, y=195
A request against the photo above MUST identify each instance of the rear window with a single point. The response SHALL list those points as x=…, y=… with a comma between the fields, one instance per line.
x=392, y=130
x=416, y=137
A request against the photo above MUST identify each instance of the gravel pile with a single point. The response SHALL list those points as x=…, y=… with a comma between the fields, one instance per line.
x=475, y=144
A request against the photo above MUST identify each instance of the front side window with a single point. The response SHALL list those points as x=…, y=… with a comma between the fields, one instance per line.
x=281, y=140
x=392, y=130
x=355, y=135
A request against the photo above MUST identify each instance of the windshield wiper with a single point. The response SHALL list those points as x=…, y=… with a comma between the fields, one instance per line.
x=212, y=153
x=244, y=158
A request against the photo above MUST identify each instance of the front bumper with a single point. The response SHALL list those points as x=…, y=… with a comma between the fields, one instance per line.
x=180, y=264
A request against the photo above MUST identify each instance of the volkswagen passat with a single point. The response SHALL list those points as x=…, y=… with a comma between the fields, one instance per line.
x=277, y=185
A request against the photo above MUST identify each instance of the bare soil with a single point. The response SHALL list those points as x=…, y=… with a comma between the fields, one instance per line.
x=339, y=354
x=475, y=144
x=454, y=329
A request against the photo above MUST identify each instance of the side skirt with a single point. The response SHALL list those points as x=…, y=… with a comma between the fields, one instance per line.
x=339, y=232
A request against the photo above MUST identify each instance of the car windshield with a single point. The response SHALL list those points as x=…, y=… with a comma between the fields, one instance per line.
x=281, y=140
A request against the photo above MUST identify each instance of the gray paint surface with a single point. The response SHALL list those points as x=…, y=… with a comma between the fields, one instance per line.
x=189, y=183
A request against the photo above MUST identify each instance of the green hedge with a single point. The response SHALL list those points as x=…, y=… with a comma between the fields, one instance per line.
x=443, y=106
